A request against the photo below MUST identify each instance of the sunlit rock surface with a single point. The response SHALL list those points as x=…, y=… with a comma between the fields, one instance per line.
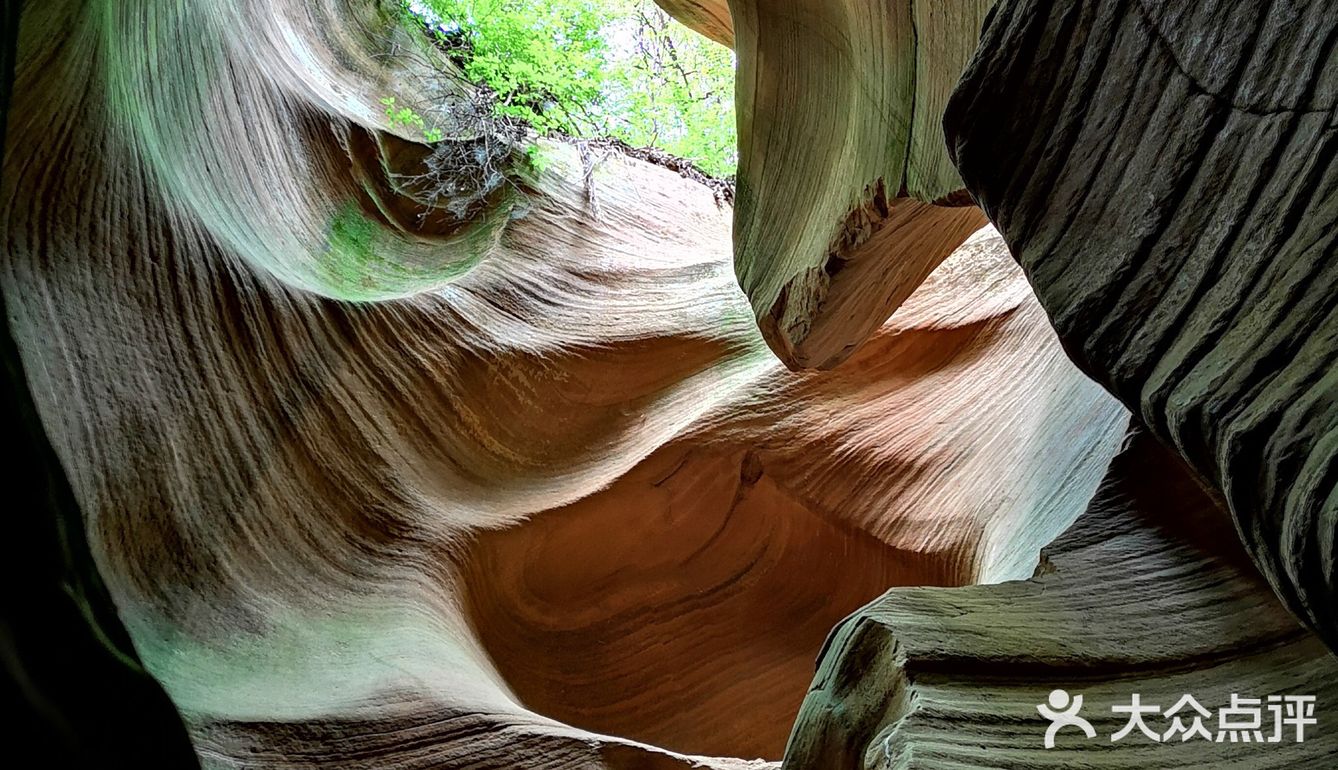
x=846, y=197
x=1149, y=592
x=374, y=485
x=519, y=477
x=1164, y=174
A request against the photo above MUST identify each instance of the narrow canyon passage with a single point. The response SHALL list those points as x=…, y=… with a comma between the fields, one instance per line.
x=554, y=385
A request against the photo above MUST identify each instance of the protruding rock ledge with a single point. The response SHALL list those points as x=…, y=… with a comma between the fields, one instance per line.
x=884, y=252
x=842, y=164
x=1149, y=592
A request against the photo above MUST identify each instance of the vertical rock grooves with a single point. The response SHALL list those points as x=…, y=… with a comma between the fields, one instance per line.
x=73, y=687
x=376, y=489
x=1165, y=174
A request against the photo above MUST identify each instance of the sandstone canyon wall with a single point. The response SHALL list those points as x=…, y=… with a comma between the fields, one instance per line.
x=377, y=479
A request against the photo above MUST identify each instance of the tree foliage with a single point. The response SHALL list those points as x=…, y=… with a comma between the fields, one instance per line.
x=595, y=68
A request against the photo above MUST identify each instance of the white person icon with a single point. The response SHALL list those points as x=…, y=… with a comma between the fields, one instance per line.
x=1063, y=712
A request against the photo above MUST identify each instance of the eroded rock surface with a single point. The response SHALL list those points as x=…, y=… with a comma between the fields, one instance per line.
x=374, y=483
x=1149, y=592
x=846, y=196
x=1165, y=174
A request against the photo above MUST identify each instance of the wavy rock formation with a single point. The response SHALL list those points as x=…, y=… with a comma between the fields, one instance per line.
x=1145, y=594
x=380, y=478
x=753, y=536
x=1164, y=174
x=846, y=197
x=406, y=454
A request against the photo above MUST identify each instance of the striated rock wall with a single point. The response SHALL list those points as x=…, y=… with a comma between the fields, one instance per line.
x=375, y=485
x=1166, y=177
x=376, y=478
